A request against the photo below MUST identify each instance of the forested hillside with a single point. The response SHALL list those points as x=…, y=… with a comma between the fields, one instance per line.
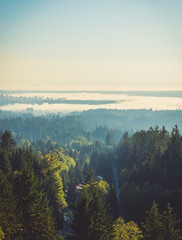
x=68, y=181
x=96, y=123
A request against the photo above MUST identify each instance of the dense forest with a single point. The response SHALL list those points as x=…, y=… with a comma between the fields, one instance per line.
x=77, y=177
x=64, y=129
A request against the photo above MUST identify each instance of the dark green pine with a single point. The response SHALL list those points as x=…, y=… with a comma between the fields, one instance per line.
x=91, y=220
x=9, y=214
x=171, y=232
x=34, y=208
x=153, y=227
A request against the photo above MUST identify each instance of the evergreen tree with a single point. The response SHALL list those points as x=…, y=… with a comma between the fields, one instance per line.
x=91, y=221
x=53, y=185
x=5, y=162
x=9, y=214
x=113, y=202
x=169, y=221
x=153, y=227
x=36, y=216
x=7, y=141
x=71, y=194
x=174, y=159
x=49, y=230
x=110, y=141
x=90, y=176
x=80, y=225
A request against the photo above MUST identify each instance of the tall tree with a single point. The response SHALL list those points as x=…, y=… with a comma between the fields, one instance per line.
x=36, y=215
x=9, y=214
x=7, y=141
x=153, y=227
x=53, y=185
x=174, y=159
x=5, y=164
x=170, y=225
x=91, y=220
x=110, y=140
x=126, y=231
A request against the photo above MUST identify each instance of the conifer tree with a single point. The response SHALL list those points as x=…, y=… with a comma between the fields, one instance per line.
x=169, y=221
x=49, y=230
x=9, y=214
x=53, y=185
x=113, y=202
x=174, y=159
x=71, y=194
x=5, y=162
x=36, y=215
x=7, y=142
x=92, y=220
x=153, y=227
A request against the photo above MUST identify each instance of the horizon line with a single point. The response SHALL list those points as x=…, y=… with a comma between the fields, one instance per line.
x=90, y=89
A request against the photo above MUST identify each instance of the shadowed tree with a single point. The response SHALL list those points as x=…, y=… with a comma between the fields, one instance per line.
x=37, y=220
x=170, y=225
x=153, y=227
x=9, y=214
x=7, y=141
x=5, y=162
x=91, y=220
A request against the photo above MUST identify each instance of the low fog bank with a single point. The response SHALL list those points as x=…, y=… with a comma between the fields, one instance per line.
x=154, y=103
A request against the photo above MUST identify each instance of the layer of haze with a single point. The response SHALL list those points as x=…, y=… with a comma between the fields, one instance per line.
x=54, y=45
x=121, y=101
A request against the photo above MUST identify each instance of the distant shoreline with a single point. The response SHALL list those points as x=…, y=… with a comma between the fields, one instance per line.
x=164, y=93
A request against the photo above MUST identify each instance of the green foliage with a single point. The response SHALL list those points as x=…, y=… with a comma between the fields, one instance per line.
x=71, y=194
x=37, y=221
x=170, y=225
x=173, y=159
x=7, y=142
x=113, y=202
x=7, y=145
x=1, y=234
x=126, y=231
x=149, y=165
x=5, y=164
x=27, y=211
x=91, y=220
x=51, y=167
x=53, y=185
x=9, y=214
x=162, y=226
x=79, y=143
x=153, y=226
x=110, y=140
x=104, y=187
x=102, y=164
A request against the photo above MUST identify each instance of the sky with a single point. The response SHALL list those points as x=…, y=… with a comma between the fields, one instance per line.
x=91, y=44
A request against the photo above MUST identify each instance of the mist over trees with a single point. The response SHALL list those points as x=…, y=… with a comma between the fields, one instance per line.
x=63, y=129
x=57, y=179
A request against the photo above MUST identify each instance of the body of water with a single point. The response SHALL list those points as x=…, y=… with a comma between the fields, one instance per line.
x=79, y=101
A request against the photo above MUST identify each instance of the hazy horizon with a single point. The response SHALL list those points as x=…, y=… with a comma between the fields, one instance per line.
x=79, y=101
x=126, y=45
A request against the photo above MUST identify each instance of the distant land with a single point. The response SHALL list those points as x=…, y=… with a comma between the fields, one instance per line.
x=177, y=93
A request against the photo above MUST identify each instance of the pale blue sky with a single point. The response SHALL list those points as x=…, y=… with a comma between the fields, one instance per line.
x=127, y=44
